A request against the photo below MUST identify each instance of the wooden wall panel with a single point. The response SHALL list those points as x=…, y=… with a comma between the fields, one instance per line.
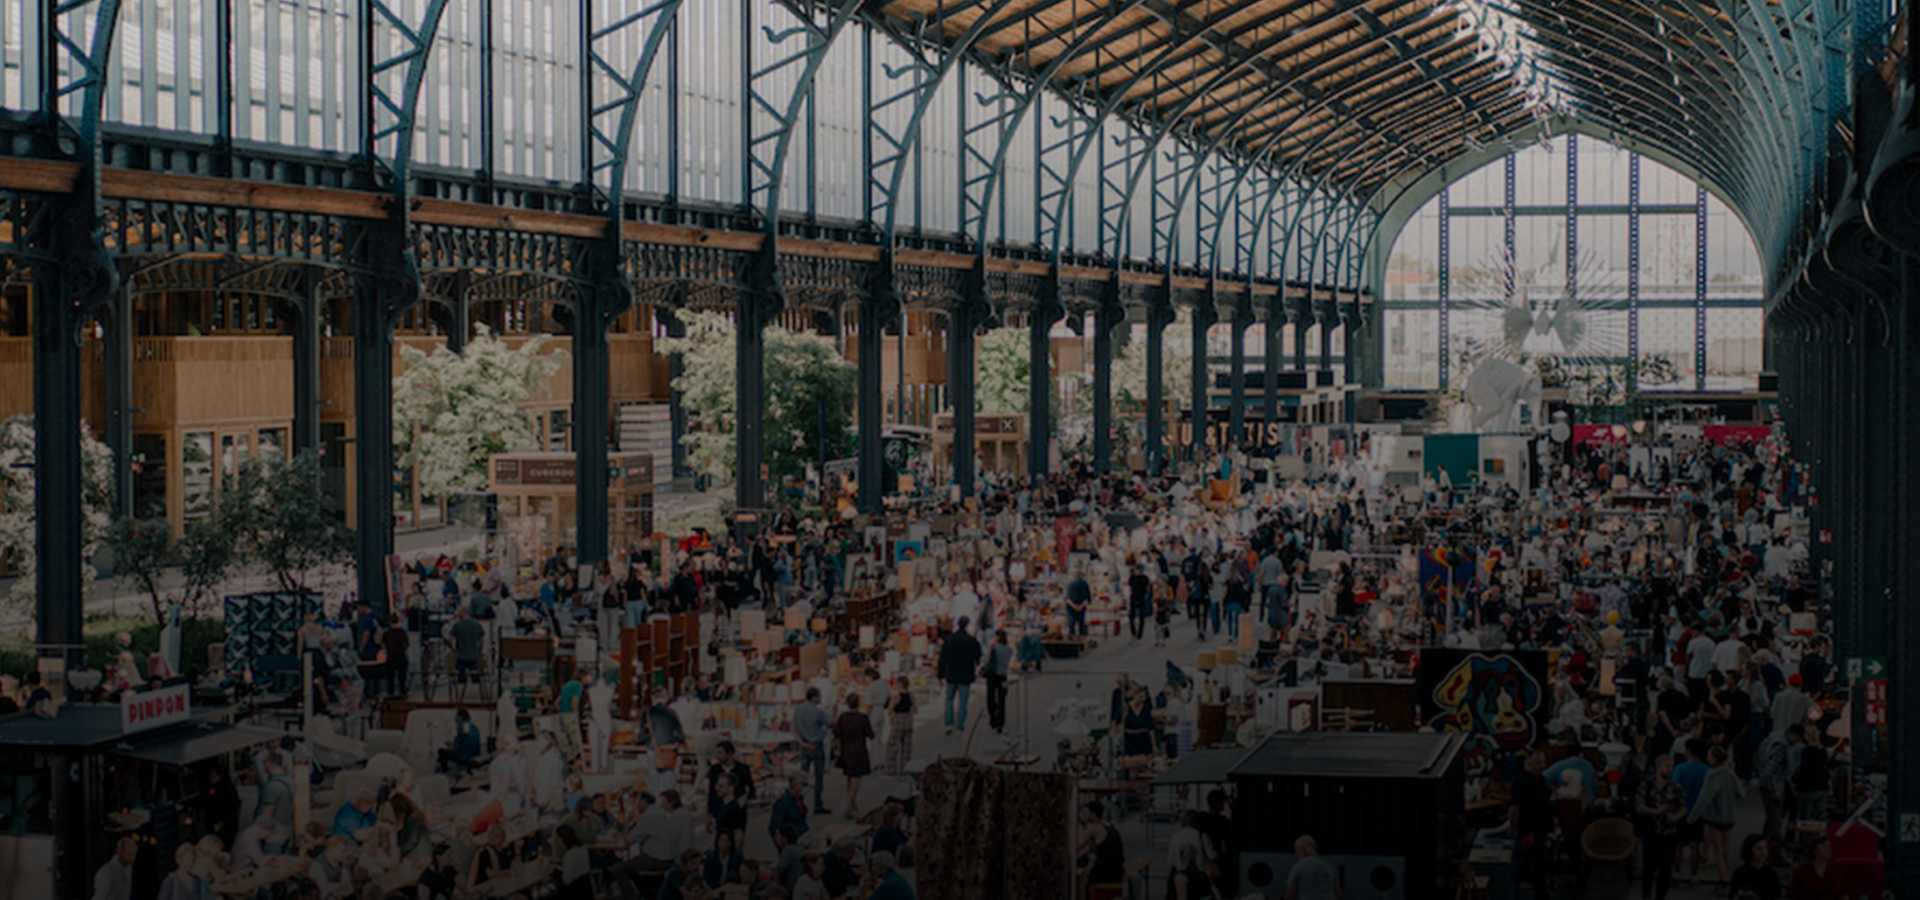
x=336, y=379
x=638, y=374
x=210, y=381
x=16, y=376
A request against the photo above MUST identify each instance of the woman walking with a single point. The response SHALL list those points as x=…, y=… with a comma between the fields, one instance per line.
x=899, y=729
x=850, y=735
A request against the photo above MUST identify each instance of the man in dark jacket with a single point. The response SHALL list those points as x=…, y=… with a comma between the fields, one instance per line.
x=959, y=659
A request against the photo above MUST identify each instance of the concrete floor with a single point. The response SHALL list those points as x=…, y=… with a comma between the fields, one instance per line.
x=1030, y=729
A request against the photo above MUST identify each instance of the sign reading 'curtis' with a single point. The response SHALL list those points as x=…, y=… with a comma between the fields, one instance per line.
x=152, y=709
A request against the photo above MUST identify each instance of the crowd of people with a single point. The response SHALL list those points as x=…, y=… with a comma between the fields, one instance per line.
x=1687, y=630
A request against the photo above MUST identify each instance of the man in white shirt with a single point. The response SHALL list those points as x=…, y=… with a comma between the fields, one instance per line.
x=964, y=605
x=1699, y=663
x=653, y=833
x=1778, y=560
x=507, y=775
x=549, y=783
x=1188, y=836
x=1790, y=706
x=1726, y=654
x=114, y=881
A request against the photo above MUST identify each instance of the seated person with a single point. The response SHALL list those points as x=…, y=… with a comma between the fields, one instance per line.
x=839, y=876
x=722, y=863
x=890, y=837
x=683, y=881
x=494, y=860
x=465, y=749
x=440, y=879
x=356, y=819
x=1575, y=763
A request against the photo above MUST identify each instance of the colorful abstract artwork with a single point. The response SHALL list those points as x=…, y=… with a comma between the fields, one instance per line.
x=1498, y=699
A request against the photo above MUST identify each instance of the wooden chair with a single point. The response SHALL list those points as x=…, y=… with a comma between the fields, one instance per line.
x=1608, y=845
x=1471, y=885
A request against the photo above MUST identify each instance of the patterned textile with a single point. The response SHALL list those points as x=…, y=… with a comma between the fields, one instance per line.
x=264, y=624
x=997, y=834
x=1663, y=794
x=1038, y=816
x=899, y=742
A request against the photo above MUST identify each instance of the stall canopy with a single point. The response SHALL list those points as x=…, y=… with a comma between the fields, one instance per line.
x=79, y=726
x=1202, y=767
x=193, y=746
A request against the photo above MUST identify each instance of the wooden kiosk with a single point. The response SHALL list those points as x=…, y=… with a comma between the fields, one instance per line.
x=537, y=494
x=1000, y=442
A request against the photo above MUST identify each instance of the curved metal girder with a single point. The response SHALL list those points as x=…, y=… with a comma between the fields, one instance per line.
x=391, y=106
x=1150, y=72
x=608, y=149
x=977, y=193
x=1311, y=152
x=1231, y=130
x=767, y=150
x=92, y=57
x=887, y=188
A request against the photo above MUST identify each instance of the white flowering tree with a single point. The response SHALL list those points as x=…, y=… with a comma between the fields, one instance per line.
x=454, y=411
x=1130, y=387
x=1002, y=372
x=809, y=396
x=1176, y=370
x=17, y=446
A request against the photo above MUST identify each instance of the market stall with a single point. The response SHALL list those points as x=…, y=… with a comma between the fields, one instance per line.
x=537, y=493
x=96, y=772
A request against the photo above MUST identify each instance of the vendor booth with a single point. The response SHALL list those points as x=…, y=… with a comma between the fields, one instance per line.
x=1000, y=443
x=78, y=782
x=537, y=493
x=1388, y=810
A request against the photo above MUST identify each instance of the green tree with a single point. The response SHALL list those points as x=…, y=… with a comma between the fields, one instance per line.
x=145, y=551
x=281, y=518
x=809, y=396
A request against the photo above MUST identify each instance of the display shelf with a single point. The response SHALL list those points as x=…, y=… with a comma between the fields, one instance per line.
x=655, y=658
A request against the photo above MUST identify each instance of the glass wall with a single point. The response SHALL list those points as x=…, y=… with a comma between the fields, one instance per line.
x=1574, y=254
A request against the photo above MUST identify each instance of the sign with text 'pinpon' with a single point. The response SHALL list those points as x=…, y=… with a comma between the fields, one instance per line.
x=152, y=709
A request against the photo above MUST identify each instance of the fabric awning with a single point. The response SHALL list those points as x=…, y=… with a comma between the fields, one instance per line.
x=193, y=746
x=1202, y=767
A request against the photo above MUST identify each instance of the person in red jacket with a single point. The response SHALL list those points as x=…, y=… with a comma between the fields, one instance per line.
x=1817, y=879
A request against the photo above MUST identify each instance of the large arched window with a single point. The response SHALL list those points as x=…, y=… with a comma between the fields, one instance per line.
x=1582, y=254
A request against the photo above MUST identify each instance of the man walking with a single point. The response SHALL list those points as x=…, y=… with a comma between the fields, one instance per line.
x=999, y=659
x=810, y=725
x=467, y=637
x=959, y=658
x=396, y=642
x=1770, y=772
x=1079, y=597
x=1530, y=821
x=1663, y=804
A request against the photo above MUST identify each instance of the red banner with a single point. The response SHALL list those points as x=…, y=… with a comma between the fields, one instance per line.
x=1721, y=434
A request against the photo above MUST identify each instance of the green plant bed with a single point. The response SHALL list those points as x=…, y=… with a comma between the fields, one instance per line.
x=100, y=634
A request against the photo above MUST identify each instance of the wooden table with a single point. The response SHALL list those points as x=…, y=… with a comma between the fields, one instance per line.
x=516, y=881
x=828, y=835
x=1016, y=763
x=275, y=870
x=478, y=779
x=523, y=647
x=406, y=876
